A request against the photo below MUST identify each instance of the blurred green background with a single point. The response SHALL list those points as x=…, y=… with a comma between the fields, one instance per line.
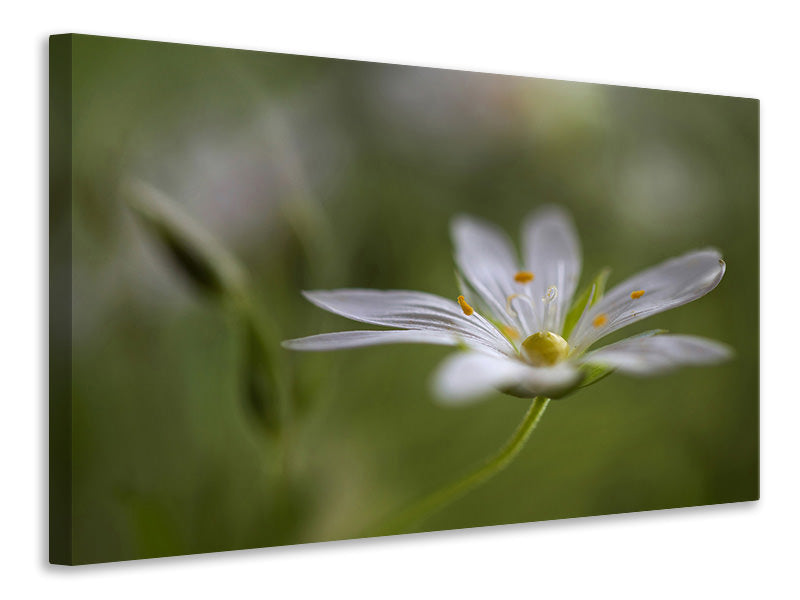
x=322, y=173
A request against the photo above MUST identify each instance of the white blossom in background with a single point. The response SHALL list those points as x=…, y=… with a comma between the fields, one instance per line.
x=520, y=329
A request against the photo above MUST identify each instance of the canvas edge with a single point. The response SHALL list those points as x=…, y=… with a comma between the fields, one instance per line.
x=60, y=300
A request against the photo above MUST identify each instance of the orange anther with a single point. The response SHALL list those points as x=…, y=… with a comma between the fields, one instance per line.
x=468, y=310
x=524, y=277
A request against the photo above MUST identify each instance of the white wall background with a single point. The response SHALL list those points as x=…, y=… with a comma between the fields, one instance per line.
x=745, y=49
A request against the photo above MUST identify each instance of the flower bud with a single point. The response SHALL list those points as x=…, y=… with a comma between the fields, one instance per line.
x=206, y=263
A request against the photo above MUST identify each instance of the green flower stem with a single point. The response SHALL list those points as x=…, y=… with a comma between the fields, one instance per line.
x=444, y=496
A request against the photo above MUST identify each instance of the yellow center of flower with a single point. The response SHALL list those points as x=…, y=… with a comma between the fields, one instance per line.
x=545, y=348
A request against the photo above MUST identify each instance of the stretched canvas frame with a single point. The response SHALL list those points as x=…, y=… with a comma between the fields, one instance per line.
x=201, y=197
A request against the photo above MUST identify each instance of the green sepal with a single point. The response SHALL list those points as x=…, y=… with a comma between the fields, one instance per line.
x=648, y=333
x=589, y=296
x=462, y=345
x=595, y=372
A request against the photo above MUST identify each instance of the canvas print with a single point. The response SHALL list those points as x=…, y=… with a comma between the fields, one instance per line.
x=298, y=299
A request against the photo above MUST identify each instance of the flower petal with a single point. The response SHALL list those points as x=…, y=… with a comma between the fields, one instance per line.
x=657, y=354
x=357, y=339
x=470, y=375
x=552, y=252
x=485, y=256
x=667, y=285
x=411, y=310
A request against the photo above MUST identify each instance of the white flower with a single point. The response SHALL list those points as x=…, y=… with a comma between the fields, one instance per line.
x=521, y=330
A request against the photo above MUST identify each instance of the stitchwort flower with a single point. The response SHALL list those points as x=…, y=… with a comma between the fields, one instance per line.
x=521, y=326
